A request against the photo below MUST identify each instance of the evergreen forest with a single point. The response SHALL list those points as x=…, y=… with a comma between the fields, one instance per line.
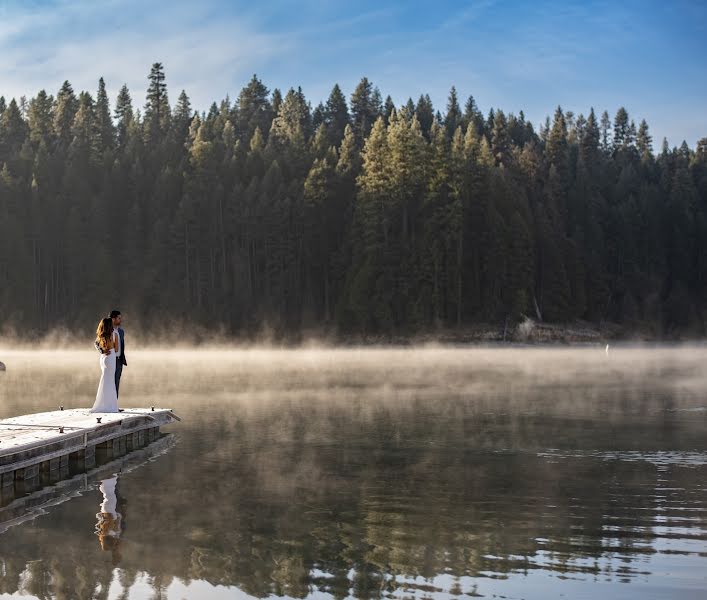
x=353, y=216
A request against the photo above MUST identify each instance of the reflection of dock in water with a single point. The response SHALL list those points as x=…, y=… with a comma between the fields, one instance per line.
x=36, y=496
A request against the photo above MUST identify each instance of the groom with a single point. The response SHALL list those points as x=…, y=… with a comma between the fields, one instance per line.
x=120, y=361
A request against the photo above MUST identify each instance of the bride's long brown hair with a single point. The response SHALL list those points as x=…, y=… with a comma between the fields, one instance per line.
x=104, y=332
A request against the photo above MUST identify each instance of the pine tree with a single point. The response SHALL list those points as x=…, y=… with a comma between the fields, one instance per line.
x=336, y=115
x=123, y=114
x=345, y=228
x=631, y=137
x=442, y=230
x=590, y=144
x=490, y=121
x=320, y=142
x=255, y=164
x=408, y=110
x=84, y=127
x=368, y=299
x=453, y=116
x=363, y=109
x=388, y=109
x=377, y=102
x=293, y=120
x=318, y=116
x=40, y=119
x=349, y=161
x=424, y=111
x=407, y=159
x=182, y=115
x=473, y=116
x=254, y=109
x=157, y=111
x=501, y=139
x=13, y=132
x=276, y=101
x=104, y=124
x=556, y=149
x=605, y=125
x=319, y=241
x=459, y=192
x=518, y=130
x=290, y=132
x=621, y=130
x=64, y=112
x=644, y=142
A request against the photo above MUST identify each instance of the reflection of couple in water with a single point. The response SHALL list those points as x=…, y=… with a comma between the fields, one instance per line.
x=109, y=524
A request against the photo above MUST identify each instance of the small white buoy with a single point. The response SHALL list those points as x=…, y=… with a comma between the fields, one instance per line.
x=607, y=349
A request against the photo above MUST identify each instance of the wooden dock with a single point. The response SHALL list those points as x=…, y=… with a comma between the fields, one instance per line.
x=45, y=442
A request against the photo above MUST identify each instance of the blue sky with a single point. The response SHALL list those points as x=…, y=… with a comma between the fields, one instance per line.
x=648, y=56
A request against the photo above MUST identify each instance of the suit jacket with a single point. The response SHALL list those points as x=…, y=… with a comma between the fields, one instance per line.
x=121, y=334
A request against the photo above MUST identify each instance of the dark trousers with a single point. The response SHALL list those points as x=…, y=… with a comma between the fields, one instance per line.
x=118, y=373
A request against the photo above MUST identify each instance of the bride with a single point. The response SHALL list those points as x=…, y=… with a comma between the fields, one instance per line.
x=107, y=340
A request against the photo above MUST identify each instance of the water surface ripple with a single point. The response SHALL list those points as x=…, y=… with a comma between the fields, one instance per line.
x=352, y=473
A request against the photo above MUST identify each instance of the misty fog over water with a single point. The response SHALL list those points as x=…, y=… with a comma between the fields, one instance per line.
x=371, y=472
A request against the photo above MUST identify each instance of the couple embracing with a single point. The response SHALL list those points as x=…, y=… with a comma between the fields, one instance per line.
x=110, y=342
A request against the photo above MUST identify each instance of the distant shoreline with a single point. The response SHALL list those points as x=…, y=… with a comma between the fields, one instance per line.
x=526, y=333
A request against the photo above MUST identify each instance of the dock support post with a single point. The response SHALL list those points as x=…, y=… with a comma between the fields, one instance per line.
x=28, y=484
x=27, y=472
x=133, y=440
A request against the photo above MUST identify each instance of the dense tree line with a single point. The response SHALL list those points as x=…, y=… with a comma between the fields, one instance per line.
x=358, y=216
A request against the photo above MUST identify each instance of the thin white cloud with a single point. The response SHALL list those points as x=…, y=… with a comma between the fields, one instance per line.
x=532, y=58
x=82, y=42
x=470, y=12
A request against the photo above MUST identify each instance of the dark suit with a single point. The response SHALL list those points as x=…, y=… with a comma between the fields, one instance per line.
x=120, y=361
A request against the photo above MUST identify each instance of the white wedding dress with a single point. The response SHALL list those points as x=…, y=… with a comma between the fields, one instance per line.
x=107, y=396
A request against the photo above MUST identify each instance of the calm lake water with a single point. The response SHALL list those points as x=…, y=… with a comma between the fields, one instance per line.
x=430, y=473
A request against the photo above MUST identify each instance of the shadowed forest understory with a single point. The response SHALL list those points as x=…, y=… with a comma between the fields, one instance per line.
x=354, y=217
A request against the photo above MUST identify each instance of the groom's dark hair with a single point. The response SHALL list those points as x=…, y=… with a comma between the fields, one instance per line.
x=114, y=314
